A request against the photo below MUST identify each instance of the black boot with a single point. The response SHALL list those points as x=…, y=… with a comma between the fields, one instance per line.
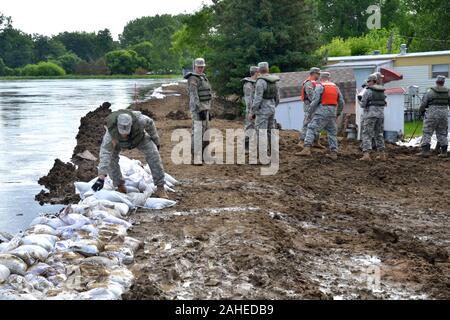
x=425, y=151
x=444, y=152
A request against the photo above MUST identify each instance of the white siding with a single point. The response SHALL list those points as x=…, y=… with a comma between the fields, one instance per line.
x=289, y=114
x=414, y=76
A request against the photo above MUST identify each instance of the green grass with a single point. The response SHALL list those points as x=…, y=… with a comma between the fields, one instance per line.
x=80, y=77
x=411, y=126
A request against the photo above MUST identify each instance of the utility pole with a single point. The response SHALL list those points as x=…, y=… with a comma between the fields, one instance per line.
x=390, y=41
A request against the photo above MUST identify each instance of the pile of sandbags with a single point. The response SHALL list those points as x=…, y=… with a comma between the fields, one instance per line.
x=81, y=253
x=416, y=142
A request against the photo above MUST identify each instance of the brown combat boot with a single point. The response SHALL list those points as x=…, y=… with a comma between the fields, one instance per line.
x=425, y=152
x=160, y=193
x=444, y=152
x=366, y=157
x=306, y=152
x=332, y=156
x=382, y=156
x=318, y=145
x=301, y=144
x=121, y=188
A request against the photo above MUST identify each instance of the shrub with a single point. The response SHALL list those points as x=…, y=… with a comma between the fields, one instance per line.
x=275, y=69
x=68, y=62
x=97, y=67
x=42, y=69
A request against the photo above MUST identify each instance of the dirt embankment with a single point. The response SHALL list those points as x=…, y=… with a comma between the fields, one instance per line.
x=60, y=179
x=318, y=229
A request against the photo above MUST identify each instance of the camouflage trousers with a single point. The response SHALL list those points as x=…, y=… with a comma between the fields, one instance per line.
x=199, y=128
x=373, y=131
x=440, y=126
x=319, y=123
x=306, y=121
x=265, y=122
x=151, y=153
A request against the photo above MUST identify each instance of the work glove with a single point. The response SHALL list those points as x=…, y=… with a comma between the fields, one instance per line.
x=98, y=185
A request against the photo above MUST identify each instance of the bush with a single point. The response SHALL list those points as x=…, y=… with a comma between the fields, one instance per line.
x=42, y=69
x=124, y=61
x=68, y=62
x=2, y=68
x=275, y=69
x=141, y=71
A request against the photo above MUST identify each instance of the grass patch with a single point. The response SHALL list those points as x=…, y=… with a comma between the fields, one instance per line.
x=80, y=77
x=411, y=126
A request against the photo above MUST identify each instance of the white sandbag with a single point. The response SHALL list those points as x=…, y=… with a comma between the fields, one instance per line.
x=39, y=283
x=30, y=254
x=63, y=246
x=4, y=274
x=43, y=240
x=55, y=223
x=131, y=189
x=122, y=208
x=99, y=294
x=122, y=276
x=13, y=263
x=110, y=232
x=159, y=204
x=41, y=229
x=39, y=269
x=73, y=219
x=121, y=252
x=132, y=243
x=168, y=189
x=105, y=217
x=87, y=248
x=91, y=229
x=171, y=179
x=112, y=286
x=139, y=199
x=20, y=284
x=5, y=237
x=82, y=187
x=11, y=245
x=113, y=196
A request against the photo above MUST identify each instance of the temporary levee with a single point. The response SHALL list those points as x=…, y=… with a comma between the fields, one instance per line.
x=289, y=114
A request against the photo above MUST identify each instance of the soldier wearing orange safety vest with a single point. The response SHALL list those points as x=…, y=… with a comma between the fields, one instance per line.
x=327, y=106
x=307, y=96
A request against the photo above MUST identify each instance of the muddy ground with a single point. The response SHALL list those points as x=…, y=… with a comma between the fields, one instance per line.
x=319, y=229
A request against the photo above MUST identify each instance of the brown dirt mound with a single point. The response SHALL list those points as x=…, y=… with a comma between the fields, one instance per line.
x=178, y=115
x=61, y=177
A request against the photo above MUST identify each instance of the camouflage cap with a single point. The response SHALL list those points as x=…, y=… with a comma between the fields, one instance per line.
x=325, y=75
x=372, y=77
x=440, y=79
x=314, y=70
x=254, y=69
x=124, y=122
x=200, y=62
x=263, y=65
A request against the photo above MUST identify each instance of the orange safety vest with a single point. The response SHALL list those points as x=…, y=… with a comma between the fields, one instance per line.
x=330, y=96
x=314, y=83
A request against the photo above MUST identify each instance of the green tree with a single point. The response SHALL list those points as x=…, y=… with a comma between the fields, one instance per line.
x=124, y=61
x=247, y=32
x=104, y=43
x=2, y=67
x=144, y=50
x=192, y=40
x=158, y=30
x=16, y=47
x=45, y=48
x=83, y=44
x=5, y=22
x=68, y=62
x=348, y=18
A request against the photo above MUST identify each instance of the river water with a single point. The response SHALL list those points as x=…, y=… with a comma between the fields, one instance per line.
x=39, y=120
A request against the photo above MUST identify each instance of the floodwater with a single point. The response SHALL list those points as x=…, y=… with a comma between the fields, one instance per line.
x=39, y=120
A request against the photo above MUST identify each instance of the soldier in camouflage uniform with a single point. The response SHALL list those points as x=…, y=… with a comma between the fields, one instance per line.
x=435, y=107
x=265, y=101
x=200, y=98
x=129, y=130
x=249, y=93
x=327, y=106
x=373, y=103
x=307, y=96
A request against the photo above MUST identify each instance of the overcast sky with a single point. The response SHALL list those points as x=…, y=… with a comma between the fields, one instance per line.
x=50, y=17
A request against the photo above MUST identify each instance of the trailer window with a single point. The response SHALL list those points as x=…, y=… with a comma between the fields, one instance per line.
x=440, y=70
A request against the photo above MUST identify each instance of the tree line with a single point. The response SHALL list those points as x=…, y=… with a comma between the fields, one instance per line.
x=232, y=35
